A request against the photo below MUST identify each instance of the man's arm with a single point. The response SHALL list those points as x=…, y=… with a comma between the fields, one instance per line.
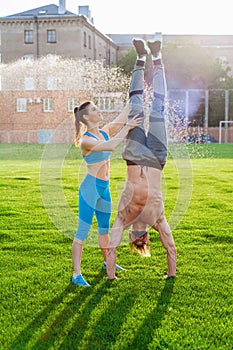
x=167, y=240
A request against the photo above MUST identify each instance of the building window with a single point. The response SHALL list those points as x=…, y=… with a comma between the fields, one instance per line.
x=29, y=83
x=29, y=58
x=72, y=102
x=52, y=83
x=48, y=104
x=87, y=83
x=21, y=105
x=89, y=41
x=28, y=36
x=109, y=102
x=52, y=59
x=51, y=36
x=84, y=39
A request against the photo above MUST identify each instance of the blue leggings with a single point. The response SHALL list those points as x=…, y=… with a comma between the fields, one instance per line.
x=94, y=198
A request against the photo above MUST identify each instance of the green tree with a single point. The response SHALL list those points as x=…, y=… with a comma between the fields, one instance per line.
x=127, y=61
x=188, y=66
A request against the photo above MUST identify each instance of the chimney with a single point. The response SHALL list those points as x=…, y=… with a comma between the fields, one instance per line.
x=62, y=7
x=84, y=11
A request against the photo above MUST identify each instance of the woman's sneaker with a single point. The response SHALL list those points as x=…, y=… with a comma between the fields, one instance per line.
x=80, y=281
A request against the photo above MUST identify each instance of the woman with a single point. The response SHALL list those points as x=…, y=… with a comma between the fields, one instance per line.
x=94, y=195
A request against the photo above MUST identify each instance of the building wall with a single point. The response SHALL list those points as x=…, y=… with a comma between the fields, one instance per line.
x=57, y=126
x=76, y=37
x=37, y=126
x=27, y=126
x=70, y=32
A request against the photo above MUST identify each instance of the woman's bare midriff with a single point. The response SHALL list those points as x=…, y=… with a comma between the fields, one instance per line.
x=99, y=170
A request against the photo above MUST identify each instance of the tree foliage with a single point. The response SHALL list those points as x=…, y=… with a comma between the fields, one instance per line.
x=188, y=66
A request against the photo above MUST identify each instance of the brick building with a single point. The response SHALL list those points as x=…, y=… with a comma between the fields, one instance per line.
x=38, y=99
x=49, y=117
x=40, y=109
x=53, y=30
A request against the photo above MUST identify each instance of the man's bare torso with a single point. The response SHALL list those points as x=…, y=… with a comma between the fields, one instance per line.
x=141, y=199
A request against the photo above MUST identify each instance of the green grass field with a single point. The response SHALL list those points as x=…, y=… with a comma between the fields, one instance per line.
x=41, y=309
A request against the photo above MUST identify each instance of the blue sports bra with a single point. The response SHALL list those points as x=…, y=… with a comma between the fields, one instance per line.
x=96, y=157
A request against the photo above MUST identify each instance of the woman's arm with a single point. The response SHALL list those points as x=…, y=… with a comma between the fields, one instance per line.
x=112, y=128
x=89, y=144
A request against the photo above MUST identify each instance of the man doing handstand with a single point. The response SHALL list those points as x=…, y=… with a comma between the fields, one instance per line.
x=141, y=202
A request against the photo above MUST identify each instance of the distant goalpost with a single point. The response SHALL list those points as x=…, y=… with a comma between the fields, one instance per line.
x=220, y=129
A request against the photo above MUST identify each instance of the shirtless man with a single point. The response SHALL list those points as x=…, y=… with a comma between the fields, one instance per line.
x=141, y=203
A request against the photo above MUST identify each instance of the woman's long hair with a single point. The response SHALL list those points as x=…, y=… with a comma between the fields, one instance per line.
x=80, y=122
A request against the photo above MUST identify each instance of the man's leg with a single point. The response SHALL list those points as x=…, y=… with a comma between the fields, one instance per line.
x=150, y=151
x=157, y=136
x=136, y=138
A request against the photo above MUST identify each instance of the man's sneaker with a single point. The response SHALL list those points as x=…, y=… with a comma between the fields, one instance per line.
x=155, y=45
x=118, y=267
x=141, y=47
x=80, y=281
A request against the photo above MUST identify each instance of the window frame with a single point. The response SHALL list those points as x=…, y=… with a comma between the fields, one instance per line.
x=84, y=39
x=21, y=105
x=29, y=83
x=52, y=83
x=71, y=103
x=48, y=105
x=51, y=36
x=89, y=42
x=28, y=36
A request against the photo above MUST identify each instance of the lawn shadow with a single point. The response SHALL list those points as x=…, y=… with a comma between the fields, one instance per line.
x=22, y=340
x=103, y=332
x=144, y=335
x=69, y=302
x=219, y=239
x=66, y=322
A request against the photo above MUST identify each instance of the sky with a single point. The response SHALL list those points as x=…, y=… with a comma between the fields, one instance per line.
x=146, y=16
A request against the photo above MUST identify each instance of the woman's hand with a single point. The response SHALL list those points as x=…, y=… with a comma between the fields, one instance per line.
x=118, y=123
x=133, y=122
